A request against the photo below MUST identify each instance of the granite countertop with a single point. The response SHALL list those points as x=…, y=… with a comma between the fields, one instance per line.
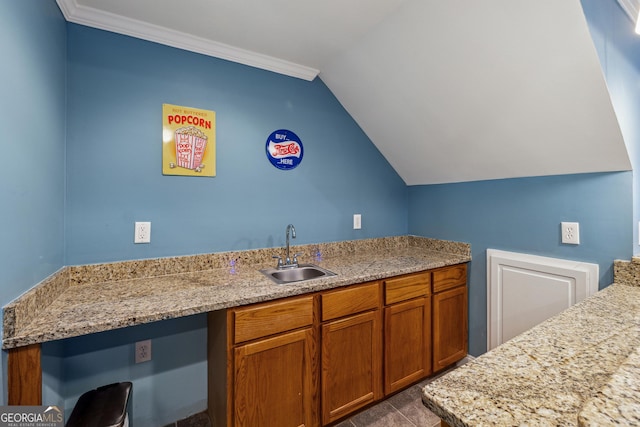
x=89, y=299
x=579, y=368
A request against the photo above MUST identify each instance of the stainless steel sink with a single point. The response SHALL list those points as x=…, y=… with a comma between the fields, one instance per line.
x=297, y=274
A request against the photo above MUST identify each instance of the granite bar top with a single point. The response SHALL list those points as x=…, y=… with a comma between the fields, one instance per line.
x=579, y=368
x=88, y=299
x=619, y=400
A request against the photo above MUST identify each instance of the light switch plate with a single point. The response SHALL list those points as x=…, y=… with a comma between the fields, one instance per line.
x=357, y=221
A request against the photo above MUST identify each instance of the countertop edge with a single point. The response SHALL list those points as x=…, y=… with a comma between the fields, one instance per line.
x=32, y=334
x=553, y=354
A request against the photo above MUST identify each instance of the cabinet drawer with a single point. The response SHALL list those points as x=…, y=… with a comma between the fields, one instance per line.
x=407, y=287
x=355, y=299
x=271, y=318
x=449, y=277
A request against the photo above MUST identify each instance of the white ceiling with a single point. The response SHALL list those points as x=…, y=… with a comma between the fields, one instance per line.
x=631, y=7
x=292, y=37
x=448, y=90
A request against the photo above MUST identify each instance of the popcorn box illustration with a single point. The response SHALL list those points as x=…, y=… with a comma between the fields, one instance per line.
x=190, y=145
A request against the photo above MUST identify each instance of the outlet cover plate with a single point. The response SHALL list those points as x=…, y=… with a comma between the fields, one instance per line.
x=143, y=351
x=570, y=233
x=142, y=232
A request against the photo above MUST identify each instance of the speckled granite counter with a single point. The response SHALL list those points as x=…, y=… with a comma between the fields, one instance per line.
x=618, y=403
x=581, y=367
x=88, y=299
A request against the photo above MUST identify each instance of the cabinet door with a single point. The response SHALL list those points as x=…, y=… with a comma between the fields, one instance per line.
x=407, y=348
x=274, y=381
x=449, y=327
x=351, y=364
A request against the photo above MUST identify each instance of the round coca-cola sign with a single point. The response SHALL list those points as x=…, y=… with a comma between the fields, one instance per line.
x=284, y=149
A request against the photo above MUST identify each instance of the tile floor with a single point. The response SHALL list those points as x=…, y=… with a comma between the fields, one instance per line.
x=198, y=420
x=404, y=409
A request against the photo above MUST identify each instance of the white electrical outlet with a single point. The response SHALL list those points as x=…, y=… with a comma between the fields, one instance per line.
x=570, y=232
x=357, y=221
x=142, y=233
x=143, y=351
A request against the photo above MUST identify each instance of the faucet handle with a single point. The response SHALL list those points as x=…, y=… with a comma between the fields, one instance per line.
x=295, y=257
x=279, y=260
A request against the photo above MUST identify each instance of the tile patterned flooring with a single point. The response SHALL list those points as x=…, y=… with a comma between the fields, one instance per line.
x=200, y=419
x=404, y=409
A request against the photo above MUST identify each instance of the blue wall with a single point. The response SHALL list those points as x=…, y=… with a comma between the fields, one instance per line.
x=172, y=386
x=117, y=86
x=524, y=215
x=618, y=48
x=32, y=119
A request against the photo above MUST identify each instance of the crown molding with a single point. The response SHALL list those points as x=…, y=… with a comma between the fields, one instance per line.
x=631, y=7
x=73, y=12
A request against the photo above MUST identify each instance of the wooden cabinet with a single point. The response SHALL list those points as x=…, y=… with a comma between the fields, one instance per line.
x=271, y=375
x=407, y=330
x=312, y=360
x=273, y=381
x=351, y=350
x=449, y=315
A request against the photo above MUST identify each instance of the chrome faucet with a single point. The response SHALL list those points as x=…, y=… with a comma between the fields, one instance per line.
x=288, y=263
x=292, y=229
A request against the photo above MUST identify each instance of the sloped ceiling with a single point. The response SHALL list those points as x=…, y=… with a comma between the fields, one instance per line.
x=631, y=8
x=481, y=90
x=448, y=90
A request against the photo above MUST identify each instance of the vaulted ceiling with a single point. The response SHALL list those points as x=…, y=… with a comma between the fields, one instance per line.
x=448, y=90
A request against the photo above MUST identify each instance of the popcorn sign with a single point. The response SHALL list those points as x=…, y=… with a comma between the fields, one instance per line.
x=284, y=149
x=188, y=141
x=190, y=146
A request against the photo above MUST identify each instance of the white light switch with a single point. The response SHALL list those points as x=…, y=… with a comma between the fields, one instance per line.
x=357, y=221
